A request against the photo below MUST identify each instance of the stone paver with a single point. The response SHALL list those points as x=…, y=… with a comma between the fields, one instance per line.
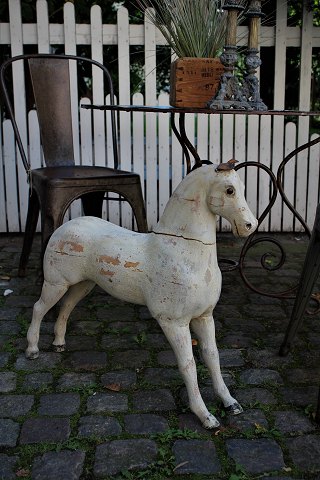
x=153, y=400
x=145, y=424
x=305, y=452
x=114, y=405
x=9, y=432
x=293, y=422
x=15, y=405
x=59, y=404
x=107, y=402
x=256, y=456
x=259, y=376
x=8, y=382
x=7, y=467
x=72, y=380
x=113, y=457
x=37, y=381
x=38, y=430
x=98, y=426
x=195, y=456
x=59, y=465
x=124, y=378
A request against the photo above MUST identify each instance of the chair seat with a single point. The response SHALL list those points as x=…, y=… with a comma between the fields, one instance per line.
x=79, y=172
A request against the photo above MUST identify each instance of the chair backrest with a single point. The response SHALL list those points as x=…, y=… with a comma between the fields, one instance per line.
x=50, y=81
x=51, y=88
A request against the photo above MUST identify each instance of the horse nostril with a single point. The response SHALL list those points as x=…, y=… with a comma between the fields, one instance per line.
x=248, y=226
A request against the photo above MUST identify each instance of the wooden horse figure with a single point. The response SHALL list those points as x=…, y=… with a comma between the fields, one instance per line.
x=173, y=270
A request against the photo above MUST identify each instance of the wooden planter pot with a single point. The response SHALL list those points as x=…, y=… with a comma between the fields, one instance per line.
x=194, y=81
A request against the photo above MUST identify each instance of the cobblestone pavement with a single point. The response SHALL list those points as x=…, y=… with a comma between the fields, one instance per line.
x=113, y=406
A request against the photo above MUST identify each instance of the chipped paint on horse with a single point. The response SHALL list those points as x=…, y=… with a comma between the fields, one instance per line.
x=173, y=270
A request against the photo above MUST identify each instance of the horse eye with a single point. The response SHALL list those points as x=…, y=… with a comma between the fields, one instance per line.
x=230, y=191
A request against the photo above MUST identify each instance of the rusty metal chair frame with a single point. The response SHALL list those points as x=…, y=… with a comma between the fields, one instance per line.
x=54, y=187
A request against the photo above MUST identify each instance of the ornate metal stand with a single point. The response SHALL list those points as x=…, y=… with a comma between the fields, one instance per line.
x=229, y=93
x=277, y=186
x=250, y=87
x=232, y=93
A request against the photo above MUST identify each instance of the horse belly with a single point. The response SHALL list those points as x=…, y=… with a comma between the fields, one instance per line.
x=122, y=284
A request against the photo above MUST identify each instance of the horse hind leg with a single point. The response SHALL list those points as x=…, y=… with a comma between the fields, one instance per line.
x=75, y=293
x=50, y=295
x=204, y=328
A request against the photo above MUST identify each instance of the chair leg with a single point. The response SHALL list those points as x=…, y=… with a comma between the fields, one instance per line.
x=30, y=228
x=92, y=204
x=308, y=278
x=317, y=417
x=137, y=204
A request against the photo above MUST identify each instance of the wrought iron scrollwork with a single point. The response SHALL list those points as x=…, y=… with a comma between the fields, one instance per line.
x=277, y=186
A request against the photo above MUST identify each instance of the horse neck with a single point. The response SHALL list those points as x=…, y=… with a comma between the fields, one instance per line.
x=186, y=214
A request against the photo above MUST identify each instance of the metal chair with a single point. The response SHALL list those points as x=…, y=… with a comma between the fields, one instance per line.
x=53, y=188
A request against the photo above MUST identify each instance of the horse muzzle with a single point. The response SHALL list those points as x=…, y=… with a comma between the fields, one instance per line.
x=246, y=228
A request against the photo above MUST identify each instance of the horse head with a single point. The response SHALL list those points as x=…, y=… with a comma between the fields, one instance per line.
x=225, y=197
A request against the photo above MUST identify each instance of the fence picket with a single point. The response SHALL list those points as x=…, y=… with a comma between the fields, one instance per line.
x=3, y=216
x=278, y=102
x=177, y=162
x=99, y=141
x=124, y=98
x=304, y=104
x=214, y=139
x=263, y=177
x=202, y=136
x=112, y=206
x=35, y=151
x=253, y=156
x=20, y=107
x=289, y=176
x=43, y=36
x=151, y=123
x=138, y=147
x=164, y=155
x=10, y=177
x=240, y=142
x=227, y=152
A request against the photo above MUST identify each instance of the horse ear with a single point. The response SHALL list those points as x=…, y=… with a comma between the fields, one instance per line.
x=227, y=166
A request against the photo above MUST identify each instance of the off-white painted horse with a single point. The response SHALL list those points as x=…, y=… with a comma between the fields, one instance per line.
x=173, y=270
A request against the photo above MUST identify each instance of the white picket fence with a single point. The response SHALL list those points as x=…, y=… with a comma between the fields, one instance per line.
x=146, y=143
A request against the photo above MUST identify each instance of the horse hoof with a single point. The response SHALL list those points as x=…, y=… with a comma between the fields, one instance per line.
x=234, y=409
x=59, y=348
x=211, y=422
x=32, y=355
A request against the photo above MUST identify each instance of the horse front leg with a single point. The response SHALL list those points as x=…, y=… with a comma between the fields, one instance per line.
x=178, y=335
x=204, y=328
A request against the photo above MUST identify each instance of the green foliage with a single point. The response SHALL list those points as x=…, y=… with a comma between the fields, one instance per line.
x=175, y=434
x=140, y=338
x=239, y=474
x=295, y=8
